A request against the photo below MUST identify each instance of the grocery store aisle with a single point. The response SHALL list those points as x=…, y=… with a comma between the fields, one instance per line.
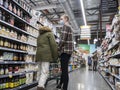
x=83, y=79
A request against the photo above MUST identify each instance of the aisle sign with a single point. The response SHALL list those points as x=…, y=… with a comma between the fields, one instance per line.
x=109, y=6
x=85, y=33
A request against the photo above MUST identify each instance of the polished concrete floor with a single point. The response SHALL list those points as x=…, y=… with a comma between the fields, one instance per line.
x=82, y=79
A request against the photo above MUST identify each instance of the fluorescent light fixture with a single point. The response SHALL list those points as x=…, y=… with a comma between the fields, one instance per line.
x=83, y=12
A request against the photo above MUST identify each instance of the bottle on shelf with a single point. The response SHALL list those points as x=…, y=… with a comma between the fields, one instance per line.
x=6, y=43
x=15, y=57
x=3, y=16
x=6, y=3
x=11, y=21
x=7, y=83
x=6, y=70
x=21, y=14
x=20, y=57
x=1, y=2
x=16, y=69
x=0, y=15
x=10, y=69
x=10, y=6
x=1, y=42
x=15, y=9
x=15, y=46
x=18, y=12
x=11, y=83
x=1, y=70
x=0, y=84
x=4, y=84
x=11, y=45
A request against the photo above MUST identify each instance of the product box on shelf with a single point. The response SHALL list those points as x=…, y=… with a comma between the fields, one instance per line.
x=118, y=86
x=29, y=78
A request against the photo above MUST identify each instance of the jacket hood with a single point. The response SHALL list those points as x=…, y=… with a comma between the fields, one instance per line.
x=45, y=28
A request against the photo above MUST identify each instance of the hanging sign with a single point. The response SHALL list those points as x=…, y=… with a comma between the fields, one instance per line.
x=109, y=6
x=85, y=33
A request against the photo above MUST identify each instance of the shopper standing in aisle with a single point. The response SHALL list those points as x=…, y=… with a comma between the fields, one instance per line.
x=66, y=49
x=46, y=52
x=89, y=62
x=95, y=63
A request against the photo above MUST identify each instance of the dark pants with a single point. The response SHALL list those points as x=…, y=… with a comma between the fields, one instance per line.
x=64, y=67
x=95, y=65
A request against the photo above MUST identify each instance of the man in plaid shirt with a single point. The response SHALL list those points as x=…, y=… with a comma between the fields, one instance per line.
x=66, y=49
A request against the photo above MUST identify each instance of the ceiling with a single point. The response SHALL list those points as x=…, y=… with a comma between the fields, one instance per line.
x=53, y=9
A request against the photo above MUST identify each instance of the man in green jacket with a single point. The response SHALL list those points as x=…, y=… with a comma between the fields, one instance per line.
x=46, y=53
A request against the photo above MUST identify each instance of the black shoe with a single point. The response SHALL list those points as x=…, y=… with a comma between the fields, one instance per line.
x=59, y=87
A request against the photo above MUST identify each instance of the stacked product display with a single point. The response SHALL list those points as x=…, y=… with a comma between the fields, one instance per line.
x=17, y=46
x=109, y=63
x=76, y=61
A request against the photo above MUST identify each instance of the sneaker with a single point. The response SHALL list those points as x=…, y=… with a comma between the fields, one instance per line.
x=59, y=87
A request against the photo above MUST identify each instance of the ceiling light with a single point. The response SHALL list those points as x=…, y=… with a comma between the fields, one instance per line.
x=83, y=12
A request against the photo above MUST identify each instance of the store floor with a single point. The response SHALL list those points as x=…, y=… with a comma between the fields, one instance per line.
x=83, y=79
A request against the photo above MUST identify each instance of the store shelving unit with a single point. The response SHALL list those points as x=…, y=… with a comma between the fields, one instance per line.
x=16, y=28
x=109, y=64
x=105, y=78
x=22, y=53
x=17, y=17
x=14, y=1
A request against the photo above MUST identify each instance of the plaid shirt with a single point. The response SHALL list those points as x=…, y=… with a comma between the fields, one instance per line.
x=66, y=42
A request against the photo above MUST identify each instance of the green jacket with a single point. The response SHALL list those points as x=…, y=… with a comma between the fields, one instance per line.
x=46, y=47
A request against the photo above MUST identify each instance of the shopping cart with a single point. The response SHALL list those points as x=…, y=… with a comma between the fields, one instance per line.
x=55, y=72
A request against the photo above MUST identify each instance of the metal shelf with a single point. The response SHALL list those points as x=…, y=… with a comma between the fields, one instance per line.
x=32, y=44
x=115, y=65
x=13, y=50
x=40, y=23
x=17, y=16
x=26, y=86
x=16, y=62
x=16, y=28
x=114, y=45
x=3, y=36
x=17, y=40
x=15, y=74
x=22, y=8
x=117, y=55
x=112, y=86
x=31, y=53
